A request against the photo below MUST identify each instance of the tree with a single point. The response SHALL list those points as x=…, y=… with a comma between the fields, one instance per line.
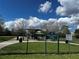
x=76, y=33
x=1, y=26
x=64, y=31
x=20, y=27
x=7, y=32
x=21, y=32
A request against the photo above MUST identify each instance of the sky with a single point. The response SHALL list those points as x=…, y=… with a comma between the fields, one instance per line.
x=11, y=9
x=36, y=13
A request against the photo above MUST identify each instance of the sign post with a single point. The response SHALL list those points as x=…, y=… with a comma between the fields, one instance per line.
x=68, y=40
x=69, y=37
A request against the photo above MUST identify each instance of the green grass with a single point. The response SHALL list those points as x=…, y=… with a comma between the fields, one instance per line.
x=5, y=38
x=40, y=56
x=39, y=47
x=75, y=40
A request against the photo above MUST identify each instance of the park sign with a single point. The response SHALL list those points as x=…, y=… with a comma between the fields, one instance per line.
x=69, y=37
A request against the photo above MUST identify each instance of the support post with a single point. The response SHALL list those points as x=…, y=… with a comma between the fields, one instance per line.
x=27, y=46
x=58, y=44
x=45, y=45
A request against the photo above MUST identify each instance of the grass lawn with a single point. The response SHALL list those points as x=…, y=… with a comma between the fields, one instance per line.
x=41, y=56
x=39, y=47
x=75, y=40
x=5, y=38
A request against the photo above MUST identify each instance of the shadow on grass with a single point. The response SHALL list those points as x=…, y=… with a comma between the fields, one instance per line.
x=61, y=53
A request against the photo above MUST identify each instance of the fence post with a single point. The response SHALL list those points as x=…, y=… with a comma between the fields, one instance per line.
x=27, y=46
x=45, y=45
x=58, y=44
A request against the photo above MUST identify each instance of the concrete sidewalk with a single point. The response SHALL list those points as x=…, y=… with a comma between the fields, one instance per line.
x=6, y=43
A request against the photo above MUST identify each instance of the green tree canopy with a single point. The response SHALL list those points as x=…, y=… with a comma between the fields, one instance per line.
x=65, y=30
x=1, y=24
x=76, y=33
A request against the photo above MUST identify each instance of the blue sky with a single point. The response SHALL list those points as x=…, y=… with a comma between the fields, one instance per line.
x=11, y=9
x=64, y=12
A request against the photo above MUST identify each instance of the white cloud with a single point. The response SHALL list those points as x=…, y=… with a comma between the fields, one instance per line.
x=68, y=7
x=69, y=20
x=77, y=26
x=19, y=23
x=45, y=7
x=9, y=25
x=16, y=24
x=64, y=20
x=74, y=20
x=34, y=22
x=60, y=11
x=52, y=20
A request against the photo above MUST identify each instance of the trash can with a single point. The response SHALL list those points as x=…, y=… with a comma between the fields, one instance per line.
x=17, y=37
x=20, y=40
x=66, y=41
